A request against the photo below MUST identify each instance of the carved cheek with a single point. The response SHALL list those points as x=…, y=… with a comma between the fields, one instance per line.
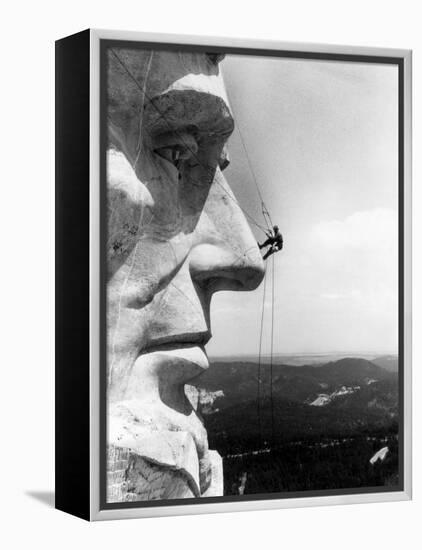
x=130, y=207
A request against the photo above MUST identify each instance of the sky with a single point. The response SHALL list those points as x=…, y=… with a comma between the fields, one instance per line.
x=322, y=139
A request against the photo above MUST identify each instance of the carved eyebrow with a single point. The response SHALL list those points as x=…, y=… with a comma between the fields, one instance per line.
x=215, y=57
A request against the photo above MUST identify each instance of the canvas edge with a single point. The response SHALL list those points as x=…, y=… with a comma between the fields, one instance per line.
x=407, y=267
x=220, y=507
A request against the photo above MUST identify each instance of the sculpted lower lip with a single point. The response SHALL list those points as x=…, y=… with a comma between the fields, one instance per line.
x=180, y=353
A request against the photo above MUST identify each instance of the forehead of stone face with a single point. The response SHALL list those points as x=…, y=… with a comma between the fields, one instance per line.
x=132, y=73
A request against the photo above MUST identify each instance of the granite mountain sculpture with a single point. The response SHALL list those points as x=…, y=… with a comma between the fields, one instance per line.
x=176, y=235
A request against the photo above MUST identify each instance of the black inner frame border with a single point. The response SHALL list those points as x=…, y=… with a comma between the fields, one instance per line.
x=244, y=51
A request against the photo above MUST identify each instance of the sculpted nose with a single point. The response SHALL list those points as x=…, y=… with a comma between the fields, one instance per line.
x=216, y=267
x=225, y=255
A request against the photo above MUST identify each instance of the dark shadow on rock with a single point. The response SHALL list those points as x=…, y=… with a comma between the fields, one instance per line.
x=45, y=497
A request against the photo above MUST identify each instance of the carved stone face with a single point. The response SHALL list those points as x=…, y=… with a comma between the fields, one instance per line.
x=176, y=235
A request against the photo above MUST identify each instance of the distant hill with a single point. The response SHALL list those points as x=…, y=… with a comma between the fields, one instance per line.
x=388, y=362
x=299, y=359
x=329, y=420
x=239, y=381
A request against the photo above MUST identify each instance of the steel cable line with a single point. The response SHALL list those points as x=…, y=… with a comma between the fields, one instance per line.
x=268, y=221
x=265, y=213
x=259, y=359
x=271, y=355
x=264, y=209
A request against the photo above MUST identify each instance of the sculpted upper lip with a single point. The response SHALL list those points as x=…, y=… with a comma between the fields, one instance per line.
x=177, y=341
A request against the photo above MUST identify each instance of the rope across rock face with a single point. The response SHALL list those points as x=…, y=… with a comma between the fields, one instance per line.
x=191, y=151
x=269, y=225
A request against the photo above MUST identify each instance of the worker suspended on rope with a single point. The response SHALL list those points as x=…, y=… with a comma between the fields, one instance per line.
x=274, y=241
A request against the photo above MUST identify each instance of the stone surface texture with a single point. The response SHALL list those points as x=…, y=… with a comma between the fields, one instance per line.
x=176, y=235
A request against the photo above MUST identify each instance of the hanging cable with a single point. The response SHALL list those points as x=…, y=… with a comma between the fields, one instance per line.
x=269, y=224
x=267, y=216
x=259, y=360
x=271, y=356
x=264, y=209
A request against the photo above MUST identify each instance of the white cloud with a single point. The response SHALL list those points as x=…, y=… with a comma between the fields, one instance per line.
x=336, y=288
x=374, y=230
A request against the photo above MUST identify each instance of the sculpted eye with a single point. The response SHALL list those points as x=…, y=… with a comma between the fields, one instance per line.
x=175, y=147
x=174, y=154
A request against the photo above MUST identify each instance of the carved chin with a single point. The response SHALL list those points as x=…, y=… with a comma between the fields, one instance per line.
x=157, y=426
x=158, y=444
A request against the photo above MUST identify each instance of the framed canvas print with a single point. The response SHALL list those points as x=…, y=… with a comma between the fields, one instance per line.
x=233, y=274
